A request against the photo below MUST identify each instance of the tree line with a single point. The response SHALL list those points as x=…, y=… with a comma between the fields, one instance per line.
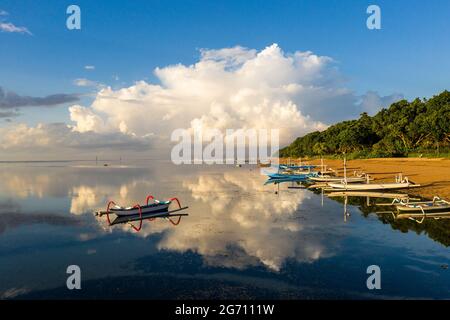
x=420, y=126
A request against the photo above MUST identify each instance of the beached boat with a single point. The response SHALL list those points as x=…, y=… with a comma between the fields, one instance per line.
x=434, y=206
x=326, y=178
x=357, y=177
x=300, y=176
x=403, y=184
x=369, y=194
x=294, y=167
x=400, y=183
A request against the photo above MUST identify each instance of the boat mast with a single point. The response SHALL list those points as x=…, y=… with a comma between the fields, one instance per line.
x=345, y=170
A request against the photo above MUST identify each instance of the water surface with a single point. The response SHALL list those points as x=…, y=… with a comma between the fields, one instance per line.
x=240, y=240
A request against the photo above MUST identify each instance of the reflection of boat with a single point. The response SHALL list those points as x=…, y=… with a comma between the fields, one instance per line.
x=420, y=217
x=151, y=216
x=285, y=179
x=435, y=206
x=436, y=215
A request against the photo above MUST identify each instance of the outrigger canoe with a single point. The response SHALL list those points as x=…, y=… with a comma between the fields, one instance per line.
x=400, y=183
x=156, y=206
x=292, y=167
x=149, y=211
x=337, y=179
x=371, y=186
x=301, y=176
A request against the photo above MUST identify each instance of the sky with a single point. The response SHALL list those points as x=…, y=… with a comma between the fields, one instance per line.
x=137, y=70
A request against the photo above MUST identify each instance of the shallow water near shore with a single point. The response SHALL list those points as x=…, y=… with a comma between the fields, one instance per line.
x=240, y=240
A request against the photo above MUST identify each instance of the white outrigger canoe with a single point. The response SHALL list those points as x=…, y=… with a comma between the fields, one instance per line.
x=156, y=206
x=369, y=194
x=398, y=184
x=149, y=211
x=337, y=179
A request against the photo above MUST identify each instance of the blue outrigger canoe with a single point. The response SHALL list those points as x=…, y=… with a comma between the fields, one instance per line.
x=285, y=166
x=300, y=176
x=280, y=177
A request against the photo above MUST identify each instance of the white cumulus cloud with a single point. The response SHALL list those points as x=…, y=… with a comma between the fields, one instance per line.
x=229, y=88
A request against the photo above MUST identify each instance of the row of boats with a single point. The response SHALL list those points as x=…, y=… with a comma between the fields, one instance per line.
x=328, y=180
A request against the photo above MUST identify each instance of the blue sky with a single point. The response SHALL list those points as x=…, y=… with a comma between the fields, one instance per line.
x=129, y=39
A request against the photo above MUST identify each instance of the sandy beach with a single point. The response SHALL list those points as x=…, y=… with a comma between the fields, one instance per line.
x=432, y=174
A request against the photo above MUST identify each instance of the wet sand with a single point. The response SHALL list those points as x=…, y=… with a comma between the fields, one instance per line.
x=432, y=174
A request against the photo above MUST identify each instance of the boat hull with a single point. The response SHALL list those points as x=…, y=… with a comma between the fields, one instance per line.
x=370, y=194
x=337, y=179
x=369, y=186
x=146, y=209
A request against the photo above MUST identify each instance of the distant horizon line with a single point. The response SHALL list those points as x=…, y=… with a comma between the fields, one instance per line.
x=74, y=160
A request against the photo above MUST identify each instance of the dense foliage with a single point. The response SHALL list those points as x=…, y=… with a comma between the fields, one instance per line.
x=420, y=126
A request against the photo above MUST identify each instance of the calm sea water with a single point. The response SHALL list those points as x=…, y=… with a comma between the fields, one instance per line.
x=240, y=240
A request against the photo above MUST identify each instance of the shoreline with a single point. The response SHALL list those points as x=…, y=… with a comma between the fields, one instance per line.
x=433, y=174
